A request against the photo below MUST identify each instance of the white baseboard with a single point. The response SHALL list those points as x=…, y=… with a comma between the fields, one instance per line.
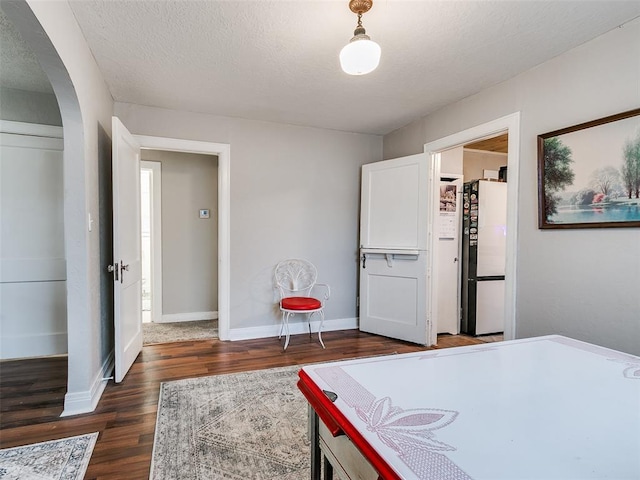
x=295, y=327
x=76, y=403
x=188, y=317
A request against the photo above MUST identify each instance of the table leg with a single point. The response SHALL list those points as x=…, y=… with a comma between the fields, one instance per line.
x=316, y=455
x=328, y=469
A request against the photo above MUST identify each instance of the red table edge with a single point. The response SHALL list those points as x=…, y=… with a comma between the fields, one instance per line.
x=338, y=424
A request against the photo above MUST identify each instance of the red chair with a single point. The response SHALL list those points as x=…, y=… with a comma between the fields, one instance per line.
x=295, y=280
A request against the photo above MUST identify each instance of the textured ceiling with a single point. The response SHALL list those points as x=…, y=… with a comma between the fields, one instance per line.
x=19, y=67
x=278, y=60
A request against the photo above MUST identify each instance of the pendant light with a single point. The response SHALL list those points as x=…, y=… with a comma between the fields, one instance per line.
x=361, y=55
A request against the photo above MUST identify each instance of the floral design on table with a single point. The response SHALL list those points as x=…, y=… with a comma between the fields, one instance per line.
x=632, y=369
x=631, y=362
x=410, y=433
x=395, y=426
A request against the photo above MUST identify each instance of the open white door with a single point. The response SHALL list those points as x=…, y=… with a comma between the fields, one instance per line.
x=393, y=258
x=126, y=249
x=447, y=272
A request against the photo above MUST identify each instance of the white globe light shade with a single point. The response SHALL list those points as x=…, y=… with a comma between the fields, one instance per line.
x=360, y=56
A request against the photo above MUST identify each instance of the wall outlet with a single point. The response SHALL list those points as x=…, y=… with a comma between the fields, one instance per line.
x=204, y=213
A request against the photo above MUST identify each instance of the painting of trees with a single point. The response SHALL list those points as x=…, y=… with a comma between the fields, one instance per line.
x=630, y=171
x=583, y=197
x=589, y=174
x=558, y=173
x=605, y=180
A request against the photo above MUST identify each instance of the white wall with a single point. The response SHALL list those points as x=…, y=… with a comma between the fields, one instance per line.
x=33, y=314
x=579, y=283
x=294, y=193
x=30, y=107
x=476, y=161
x=51, y=31
x=452, y=160
x=189, y=243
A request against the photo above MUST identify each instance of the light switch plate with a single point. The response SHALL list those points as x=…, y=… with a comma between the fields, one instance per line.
x=204, y=213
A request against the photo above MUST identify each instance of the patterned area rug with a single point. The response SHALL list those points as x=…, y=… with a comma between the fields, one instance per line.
x=65, y=459
x=178, y=331
x=250, y=425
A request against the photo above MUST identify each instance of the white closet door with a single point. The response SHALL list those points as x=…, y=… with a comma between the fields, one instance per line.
x=448, y=257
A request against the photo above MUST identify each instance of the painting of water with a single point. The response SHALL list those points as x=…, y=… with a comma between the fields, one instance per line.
x=589, y=174
x=597, y=214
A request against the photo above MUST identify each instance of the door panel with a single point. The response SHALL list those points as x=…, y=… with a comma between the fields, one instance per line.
x=402, y=289
x=394, y=203
x=126, y=249
x=392, y=296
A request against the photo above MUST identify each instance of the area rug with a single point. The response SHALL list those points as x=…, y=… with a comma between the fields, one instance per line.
x=64, y=459
x=250, y=425
x=178, y=331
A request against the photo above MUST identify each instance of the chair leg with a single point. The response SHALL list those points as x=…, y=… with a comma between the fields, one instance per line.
x=309, y=322
x=281, y=326
x=286, y=326
x=320, y=328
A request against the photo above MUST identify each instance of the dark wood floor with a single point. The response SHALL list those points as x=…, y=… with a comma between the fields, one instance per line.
x=32, y=391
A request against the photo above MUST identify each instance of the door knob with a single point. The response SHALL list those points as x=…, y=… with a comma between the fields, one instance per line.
x=113, y=268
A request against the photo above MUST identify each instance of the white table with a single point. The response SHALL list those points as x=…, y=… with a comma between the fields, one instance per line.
x=540, y=408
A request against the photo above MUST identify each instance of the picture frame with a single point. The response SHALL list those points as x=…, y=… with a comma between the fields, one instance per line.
x=589, y=174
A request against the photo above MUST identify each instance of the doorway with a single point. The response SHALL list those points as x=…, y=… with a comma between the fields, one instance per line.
x=180, y=261
x=223, y=154
x=151, y=235
x=504, y=129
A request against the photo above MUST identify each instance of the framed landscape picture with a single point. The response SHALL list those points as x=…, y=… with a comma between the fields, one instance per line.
x=589, y=174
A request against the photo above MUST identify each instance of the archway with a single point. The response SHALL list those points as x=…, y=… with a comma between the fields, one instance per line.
x=79, y=397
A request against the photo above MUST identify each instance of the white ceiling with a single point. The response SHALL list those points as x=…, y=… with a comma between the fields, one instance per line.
x=19, y=67
x=278, y=60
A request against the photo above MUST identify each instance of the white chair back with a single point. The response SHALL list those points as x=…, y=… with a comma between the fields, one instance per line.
x=295, y=277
